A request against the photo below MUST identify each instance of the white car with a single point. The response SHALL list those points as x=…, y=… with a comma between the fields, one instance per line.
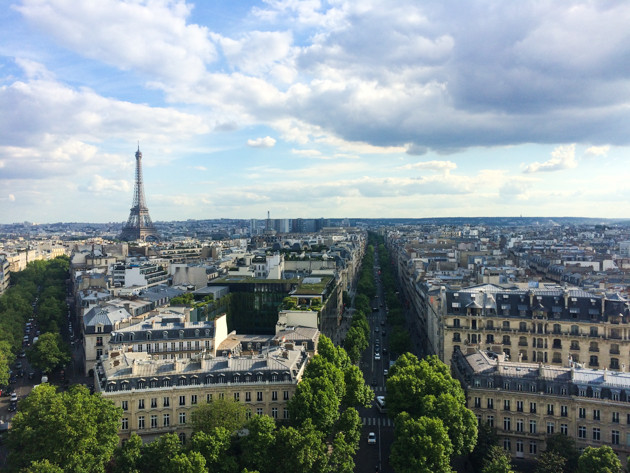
x=371, y=438
x=377, y=357
x=13, y=397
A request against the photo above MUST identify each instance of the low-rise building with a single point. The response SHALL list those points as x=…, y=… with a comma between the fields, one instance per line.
x=157, y=396
x=526, y=402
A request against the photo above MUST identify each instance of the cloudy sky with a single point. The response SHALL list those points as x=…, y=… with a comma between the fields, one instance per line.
x=314, y=108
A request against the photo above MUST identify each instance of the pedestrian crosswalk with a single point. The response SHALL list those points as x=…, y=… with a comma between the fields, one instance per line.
x=377, y=421
x=378, y=389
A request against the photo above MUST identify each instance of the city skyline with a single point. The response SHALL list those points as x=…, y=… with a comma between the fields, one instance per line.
x=313, y=109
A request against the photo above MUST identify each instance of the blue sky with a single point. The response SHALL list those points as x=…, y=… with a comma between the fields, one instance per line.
x=314, y=108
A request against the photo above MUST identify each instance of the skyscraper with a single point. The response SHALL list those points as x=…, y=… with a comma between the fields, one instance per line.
x=139, y=225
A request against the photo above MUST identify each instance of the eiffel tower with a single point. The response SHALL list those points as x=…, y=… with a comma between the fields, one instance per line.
x=139, y=225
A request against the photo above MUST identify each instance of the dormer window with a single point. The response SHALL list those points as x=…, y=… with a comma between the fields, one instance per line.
x=148, y=335
x=165, y=334
x=181, y=334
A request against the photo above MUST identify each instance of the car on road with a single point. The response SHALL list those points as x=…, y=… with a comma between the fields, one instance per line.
x=18, y=365
x=371, y=438
x=13, y=397
x=382, y=322
x=12, y=406
x=385, y=372
x=384, y=333
x=377, y=357
x=376, y=329
x=384, y=351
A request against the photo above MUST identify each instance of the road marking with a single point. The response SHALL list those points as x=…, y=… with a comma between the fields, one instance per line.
x=377, y=421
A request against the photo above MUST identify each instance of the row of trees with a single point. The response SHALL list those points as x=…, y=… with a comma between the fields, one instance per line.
x=432, y=422
x=44, y=282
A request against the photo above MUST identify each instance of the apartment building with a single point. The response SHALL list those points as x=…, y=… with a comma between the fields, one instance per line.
x=157, y=396
x=528, y=401
x=545, y=324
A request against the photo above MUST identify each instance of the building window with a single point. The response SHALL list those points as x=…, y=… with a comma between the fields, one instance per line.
x=124, y=423
x=490, y=421
x=506, y=404
x=285, y=413
x=221, y=396
x=166, y=401
x=507, y=445
x=477, y=402
x=532, y=407
x=596, y=414
x=182, y=400
x=519, y=406
x=564, y=411
x=167, y=420
x=274, y=412
x=237, y=396
x=209, y=397
x=533, y=447
x=182, y=417
x=248, y=397
x=519, y=425
x=564, y=429
x=490, y=403
x=259, y=396
x=182, y=438
x=140, y=422
x=274, y=395
x=507, y=424
x=581, y=432
x=596, y=434
x=153, y=402
x=259, y=411
x=615, y=417
x=582, y=413
x=519, y=446
x=285, y=395
x=154, y=421
x=124, y=405
x=193, y=399
x=614, y=437
x=532, y=426
x=99, y=353
x=549, y=409
x=456, y=323
x=248, y=414
x=550, y=427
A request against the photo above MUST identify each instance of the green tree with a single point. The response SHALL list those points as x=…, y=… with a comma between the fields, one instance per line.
x=49, y=353
x=215, y=449
x=126, y=458
x=258, y=444
x=601, y=459
x=550, y=462
x=426, y=388
x=319, y=367
x=341, y=459
x=43, y=466
x=166, y=455
x=564, y=446
x=316, y=401
x=300, y=450
x=355, y=342
x=497, y=461
x=350, y=424
x=399, y=340
x=75, y=429
x=225, y=413
x=420, y=446
x=357, y=392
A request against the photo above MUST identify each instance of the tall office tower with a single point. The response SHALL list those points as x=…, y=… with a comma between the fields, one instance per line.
x=139, y=225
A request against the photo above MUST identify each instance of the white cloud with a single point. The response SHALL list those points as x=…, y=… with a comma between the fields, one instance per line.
x=563, y=157
x=597, y=151
x=307, y=152
x=442, y=166
x=11, y=197
x=266, y=142
x=100, y=185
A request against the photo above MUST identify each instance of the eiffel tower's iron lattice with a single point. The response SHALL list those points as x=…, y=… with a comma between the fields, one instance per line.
x=139, y=225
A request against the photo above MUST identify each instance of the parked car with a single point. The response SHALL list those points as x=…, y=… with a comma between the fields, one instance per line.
x=13, y=397
x=371, y=438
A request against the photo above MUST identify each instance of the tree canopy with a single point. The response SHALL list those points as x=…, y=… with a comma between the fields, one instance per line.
x=75, y=430
x=226, y=413
x=601, y=459
x=49, y=352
